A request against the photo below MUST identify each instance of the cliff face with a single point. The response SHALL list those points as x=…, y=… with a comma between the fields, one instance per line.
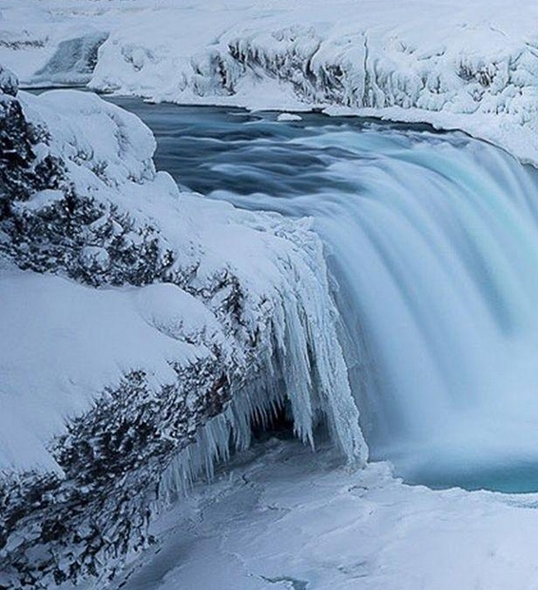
x=139, y=324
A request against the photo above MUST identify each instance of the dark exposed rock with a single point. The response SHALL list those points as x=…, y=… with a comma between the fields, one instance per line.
x=86, y=240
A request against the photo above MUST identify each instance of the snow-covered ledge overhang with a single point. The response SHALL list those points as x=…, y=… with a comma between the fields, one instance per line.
x=137, y=321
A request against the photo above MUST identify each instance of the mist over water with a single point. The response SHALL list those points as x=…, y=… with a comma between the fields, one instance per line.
x=432, y=240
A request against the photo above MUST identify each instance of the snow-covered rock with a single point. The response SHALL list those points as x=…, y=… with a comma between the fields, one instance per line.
x=478, y=73
x=137, y=322
x=289, y=117
x=87, y=206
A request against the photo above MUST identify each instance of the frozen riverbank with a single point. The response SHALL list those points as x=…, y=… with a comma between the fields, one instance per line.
x=479, y=73
x=280, y=518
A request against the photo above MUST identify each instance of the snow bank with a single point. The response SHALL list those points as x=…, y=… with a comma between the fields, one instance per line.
x=134, y=318
x=479, y=73
x=61, y=360
x=63, y=343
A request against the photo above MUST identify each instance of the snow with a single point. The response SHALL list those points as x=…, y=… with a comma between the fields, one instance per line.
x=54, y=362
x=288, y=117
x=86, y=131
x=310, y=524
x=76, y=341
x=282, y=517
x=478, y=73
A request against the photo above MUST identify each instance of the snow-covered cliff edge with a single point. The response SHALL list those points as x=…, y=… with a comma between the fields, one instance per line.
x=455, y=65
x=137, y=322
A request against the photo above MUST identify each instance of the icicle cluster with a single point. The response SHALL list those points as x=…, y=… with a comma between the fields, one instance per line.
x=302, y=367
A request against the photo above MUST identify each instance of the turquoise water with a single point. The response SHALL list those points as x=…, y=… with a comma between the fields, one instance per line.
x=432, y=240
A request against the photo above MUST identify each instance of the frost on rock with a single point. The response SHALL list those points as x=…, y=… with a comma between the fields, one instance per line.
x=144, y=332
x=489, y=91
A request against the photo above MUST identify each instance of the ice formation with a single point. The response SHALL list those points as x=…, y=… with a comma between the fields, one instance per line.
x=134, y=314
x=478, y=74
x=303, y=365
x=281, y=518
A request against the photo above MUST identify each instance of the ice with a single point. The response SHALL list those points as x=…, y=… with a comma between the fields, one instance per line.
x=73, y=62
x=478, y=74
x=473, y=344
x=279, y=516
x=306, y=368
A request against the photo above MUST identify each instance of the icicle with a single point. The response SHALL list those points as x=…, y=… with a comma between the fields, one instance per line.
x=215, y=440
x=302, y=365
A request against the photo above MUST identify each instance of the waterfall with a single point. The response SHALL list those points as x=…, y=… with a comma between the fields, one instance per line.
x=432, y=243
x=436, y=255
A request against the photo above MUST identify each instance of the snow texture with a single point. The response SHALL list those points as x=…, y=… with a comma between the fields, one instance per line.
x=479, y=73
x=455, y=65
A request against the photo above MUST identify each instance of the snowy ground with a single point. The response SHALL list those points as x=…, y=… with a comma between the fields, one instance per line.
x=286, y=518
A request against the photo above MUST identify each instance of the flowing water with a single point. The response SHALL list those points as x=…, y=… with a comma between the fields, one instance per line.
x=432, y=240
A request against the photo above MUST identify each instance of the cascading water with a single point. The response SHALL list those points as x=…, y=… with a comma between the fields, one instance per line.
x=432, y=240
